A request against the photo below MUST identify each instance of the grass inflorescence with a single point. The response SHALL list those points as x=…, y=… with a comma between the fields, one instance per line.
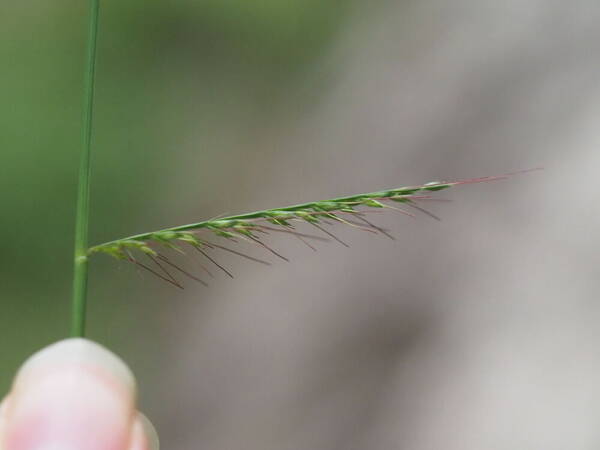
x=253, y=227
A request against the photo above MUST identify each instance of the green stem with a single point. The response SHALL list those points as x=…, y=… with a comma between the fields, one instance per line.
x=80, y=273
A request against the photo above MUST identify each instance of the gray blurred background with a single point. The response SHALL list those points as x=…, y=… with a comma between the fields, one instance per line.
x=479, y=332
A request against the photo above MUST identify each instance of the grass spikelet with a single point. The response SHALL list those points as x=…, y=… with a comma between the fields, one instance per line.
x=254, y=226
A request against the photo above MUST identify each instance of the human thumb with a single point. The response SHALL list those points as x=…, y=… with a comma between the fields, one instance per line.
x=74, y=395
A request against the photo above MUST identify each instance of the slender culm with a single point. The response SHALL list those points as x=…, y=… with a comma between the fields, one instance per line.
x=80, y=273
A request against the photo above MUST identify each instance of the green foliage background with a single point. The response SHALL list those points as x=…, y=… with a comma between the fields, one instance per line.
x=164, y=67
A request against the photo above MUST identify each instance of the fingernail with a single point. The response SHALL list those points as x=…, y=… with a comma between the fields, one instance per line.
x=73, y=395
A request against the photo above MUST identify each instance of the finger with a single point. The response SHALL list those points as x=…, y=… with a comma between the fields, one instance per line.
x=2, y=416
x=73, y=395
x=144, y=435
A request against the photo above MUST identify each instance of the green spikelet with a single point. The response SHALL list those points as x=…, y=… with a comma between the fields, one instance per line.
x=246, y=226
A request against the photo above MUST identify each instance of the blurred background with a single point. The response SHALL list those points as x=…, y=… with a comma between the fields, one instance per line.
x=481, y=331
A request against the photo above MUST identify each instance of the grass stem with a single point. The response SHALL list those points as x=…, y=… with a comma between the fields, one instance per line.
x=80, y=273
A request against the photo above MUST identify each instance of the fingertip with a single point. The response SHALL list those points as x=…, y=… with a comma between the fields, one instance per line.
x=75, y=352
x=3, y=408
x=74, y=394
x=144, y=436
